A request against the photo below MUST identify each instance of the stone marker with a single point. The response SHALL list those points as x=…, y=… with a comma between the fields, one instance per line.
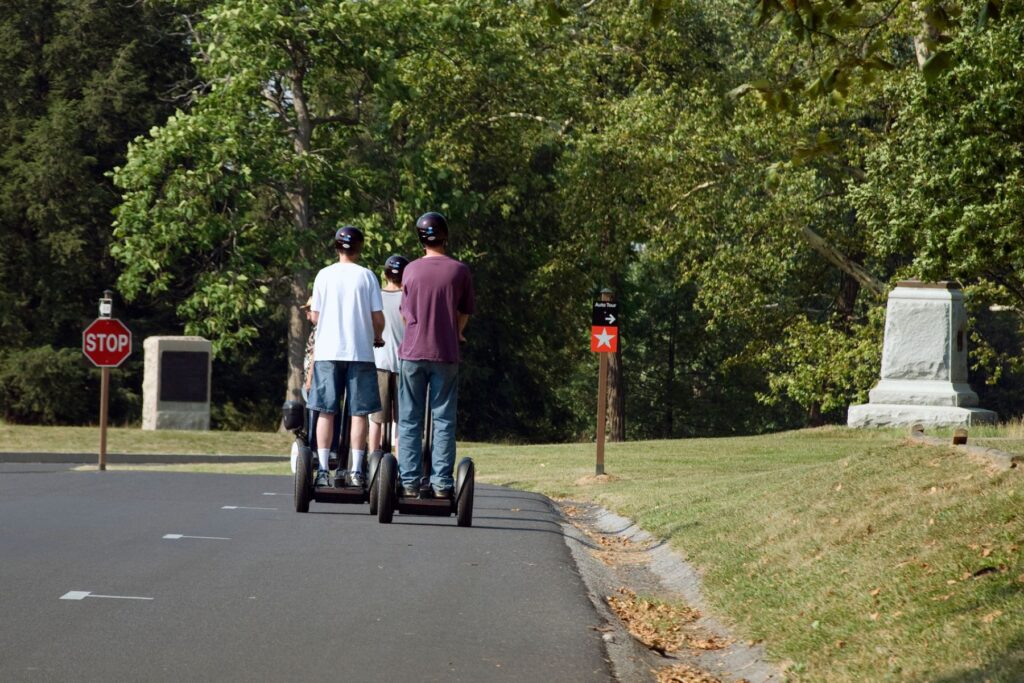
x=176, y=383
x=924, y=362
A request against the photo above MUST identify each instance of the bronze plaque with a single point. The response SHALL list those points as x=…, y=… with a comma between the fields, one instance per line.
x=184, y=376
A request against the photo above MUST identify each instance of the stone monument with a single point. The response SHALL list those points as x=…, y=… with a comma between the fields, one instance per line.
x=176, y=383
x=924, y=362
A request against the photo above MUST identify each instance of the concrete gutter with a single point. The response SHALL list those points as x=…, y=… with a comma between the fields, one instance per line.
x=135, y=458
x=1000, y=459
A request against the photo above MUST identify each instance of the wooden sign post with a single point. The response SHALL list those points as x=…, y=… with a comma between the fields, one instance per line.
x=604, y=339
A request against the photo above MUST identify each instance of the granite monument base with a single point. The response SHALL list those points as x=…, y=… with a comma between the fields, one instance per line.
x=896, y=415
x=176, y=383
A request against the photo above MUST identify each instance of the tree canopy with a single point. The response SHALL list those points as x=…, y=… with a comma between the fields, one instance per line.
x=749, y=179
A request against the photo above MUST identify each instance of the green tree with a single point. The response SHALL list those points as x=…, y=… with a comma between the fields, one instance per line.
x=82, y=79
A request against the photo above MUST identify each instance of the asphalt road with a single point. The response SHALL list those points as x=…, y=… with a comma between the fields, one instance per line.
x=246, y=589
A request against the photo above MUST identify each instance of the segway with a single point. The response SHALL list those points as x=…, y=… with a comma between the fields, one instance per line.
x=390, y=498
x=305, y=473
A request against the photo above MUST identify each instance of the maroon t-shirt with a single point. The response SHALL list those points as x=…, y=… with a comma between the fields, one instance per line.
x=435, y=290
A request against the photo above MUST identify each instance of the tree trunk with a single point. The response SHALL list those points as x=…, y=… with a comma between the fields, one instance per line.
x=298, y=333
x=843, y=263
x=928, y=34
x=298, y=200
x=670, y=380
x=846, y=300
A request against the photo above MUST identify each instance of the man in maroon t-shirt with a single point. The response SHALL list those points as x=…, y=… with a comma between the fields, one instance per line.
x=436, y=304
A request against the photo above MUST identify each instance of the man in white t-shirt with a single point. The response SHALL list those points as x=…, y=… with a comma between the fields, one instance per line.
x=349, y=323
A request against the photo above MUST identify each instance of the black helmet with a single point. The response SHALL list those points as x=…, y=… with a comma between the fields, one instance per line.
x=432, y=229
x=394, y=267
x=349, y=239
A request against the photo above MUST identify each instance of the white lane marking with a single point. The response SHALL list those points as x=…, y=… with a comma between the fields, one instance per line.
x=268, y=493
x=82, y=595
x=242, y=507
x=75, y=595
x=175, y=537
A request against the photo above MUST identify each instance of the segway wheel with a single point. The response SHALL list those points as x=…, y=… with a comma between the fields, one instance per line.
x=303, y=479
x=465, y=483
x=387, y=477
x=373, y=470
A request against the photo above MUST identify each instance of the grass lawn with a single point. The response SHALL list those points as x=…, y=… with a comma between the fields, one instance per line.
x=854, y=555
x=25, y=439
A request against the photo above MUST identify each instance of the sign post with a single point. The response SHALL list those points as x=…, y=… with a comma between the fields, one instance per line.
x=604, y=339
x=107, y=343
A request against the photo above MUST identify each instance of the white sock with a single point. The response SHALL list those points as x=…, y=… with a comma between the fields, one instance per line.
x=357, y=460
x=324, y=455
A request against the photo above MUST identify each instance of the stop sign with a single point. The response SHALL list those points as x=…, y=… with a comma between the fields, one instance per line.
x=107, y=342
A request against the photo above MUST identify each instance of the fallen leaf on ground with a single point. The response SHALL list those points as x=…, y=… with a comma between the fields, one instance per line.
x=657, y=625
x=681, y=673
x=992, y=616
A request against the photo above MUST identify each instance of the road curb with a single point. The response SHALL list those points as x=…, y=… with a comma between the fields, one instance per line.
x=135, y=458
x=655, y=568
x=1000, y=459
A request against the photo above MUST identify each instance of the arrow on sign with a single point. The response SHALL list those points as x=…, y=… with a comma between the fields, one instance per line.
x=610, y=318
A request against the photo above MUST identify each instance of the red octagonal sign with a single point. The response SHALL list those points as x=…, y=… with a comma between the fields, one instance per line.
x=107, y=342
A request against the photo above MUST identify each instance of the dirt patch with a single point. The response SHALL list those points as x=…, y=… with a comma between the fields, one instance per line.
x=592, y=479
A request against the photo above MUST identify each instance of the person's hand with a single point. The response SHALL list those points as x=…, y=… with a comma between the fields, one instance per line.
x=378, y=343
x=462, y=338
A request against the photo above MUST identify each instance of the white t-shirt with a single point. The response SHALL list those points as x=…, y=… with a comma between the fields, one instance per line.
x=344, y=296
x=394, y=330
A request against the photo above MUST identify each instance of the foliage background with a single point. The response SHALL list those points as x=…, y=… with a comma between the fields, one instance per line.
x=750, y=179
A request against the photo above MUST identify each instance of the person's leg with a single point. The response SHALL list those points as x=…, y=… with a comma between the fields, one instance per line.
x=412, y=389
x=324, y=430
x=391, y=412
x=324, y=400
x=364, y=400
x=359, y=430
x=444, y=399
x=377, y=419
x=374, y=436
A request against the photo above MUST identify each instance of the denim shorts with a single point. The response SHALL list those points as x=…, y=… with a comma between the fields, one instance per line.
x=332, y=377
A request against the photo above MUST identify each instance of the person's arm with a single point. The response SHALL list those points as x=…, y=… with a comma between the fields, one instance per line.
x=314, y=317
x=463, y=319
x=378, y=328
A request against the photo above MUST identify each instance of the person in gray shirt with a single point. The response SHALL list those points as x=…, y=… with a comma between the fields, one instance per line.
x=386, y=357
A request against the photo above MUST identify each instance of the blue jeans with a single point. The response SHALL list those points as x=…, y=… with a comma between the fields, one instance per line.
x=418, y=378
